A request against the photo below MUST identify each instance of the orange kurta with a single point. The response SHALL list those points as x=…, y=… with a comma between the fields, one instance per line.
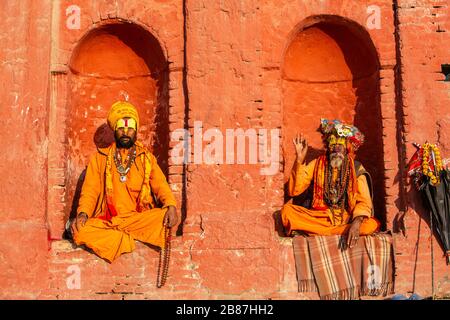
x=323, y=222
x=110, y=238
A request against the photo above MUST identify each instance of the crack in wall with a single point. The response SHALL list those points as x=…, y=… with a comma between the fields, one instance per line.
x=183, y=207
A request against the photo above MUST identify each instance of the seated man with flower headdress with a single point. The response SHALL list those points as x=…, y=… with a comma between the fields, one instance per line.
x=341, y=198
x=116, y=205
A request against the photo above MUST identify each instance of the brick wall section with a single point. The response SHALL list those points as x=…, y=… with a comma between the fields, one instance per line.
x=224, y=59
x=235, y=51
x=25, y=60
x=424, y=28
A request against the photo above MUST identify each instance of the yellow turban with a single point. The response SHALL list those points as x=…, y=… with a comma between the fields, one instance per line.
x=122, y=109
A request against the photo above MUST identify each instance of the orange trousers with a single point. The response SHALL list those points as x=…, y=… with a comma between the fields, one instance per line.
x=110, y=239
x=317, y=222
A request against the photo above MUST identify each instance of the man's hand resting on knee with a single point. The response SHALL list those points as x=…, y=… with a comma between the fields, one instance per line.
x=353, y=233
x=78, y=222
x=171, y=218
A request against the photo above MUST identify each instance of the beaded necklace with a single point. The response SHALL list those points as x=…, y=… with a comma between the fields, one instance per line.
x=123, y=169
x=144, y=200
x=334, y=193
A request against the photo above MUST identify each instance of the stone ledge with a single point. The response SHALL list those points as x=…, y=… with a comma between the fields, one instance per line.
x=64, y=246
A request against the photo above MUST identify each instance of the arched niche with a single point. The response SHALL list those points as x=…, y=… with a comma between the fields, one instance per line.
x=118, y=61
x=331, y=70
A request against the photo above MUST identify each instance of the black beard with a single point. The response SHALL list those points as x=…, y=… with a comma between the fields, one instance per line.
x=125, y=143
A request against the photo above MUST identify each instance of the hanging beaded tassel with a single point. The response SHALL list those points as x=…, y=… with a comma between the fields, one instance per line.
x=164, y=259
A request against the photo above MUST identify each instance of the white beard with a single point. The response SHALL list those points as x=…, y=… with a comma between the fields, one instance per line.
x=336, y=160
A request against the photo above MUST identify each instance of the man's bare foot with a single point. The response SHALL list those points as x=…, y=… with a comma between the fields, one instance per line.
x=299, y=233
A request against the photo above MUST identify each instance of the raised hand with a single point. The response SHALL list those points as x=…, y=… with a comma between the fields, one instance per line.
x=301, y=147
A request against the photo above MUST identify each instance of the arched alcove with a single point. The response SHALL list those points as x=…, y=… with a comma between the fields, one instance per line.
x=118, y=61
x=331, y=70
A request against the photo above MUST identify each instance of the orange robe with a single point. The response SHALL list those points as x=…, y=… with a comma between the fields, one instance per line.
x=110, y=238
x=323, y=222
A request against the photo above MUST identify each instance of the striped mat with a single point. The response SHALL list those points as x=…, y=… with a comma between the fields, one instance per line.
x=324, y=265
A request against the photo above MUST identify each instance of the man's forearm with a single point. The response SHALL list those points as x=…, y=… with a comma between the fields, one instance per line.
x=358, y=219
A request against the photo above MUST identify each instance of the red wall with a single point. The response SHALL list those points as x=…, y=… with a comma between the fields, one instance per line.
x=24, y=105
x=230, y=64
x=423, y=30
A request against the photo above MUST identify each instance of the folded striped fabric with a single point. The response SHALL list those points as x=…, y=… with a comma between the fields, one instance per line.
x=324, y=264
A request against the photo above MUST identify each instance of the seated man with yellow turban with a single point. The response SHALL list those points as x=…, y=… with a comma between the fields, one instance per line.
x=116, y=205
x=341, y=199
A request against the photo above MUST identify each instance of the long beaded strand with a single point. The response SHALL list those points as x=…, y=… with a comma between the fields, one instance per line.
x=164, y=259
x=341, y=184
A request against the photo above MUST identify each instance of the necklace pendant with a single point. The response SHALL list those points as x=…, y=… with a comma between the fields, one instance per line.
x=123, y=178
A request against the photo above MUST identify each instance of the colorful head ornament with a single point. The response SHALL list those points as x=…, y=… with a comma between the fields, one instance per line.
x=120, y=110
x=340, y=130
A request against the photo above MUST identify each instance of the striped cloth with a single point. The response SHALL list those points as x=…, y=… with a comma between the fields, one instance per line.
x=324, y=265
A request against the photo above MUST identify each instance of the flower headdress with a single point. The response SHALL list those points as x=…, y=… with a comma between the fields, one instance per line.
x=349, y=132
